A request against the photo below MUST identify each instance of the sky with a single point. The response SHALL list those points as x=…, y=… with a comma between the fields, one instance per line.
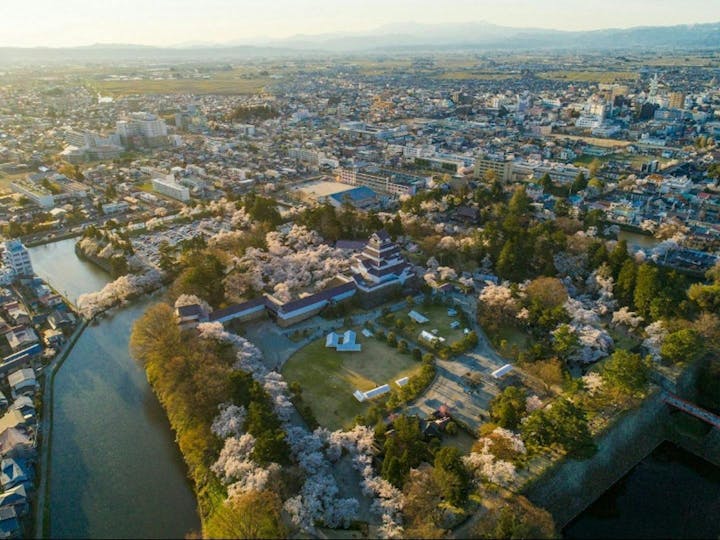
x=56, y=23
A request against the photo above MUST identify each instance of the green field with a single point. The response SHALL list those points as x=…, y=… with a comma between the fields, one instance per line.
x=329, y=378
x=634, y=160
x=476, y=75
x=590, y=76
x=596, y=141
x=439, y=320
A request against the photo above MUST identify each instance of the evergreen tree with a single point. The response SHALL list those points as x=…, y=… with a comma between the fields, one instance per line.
x=647, y=286
x=625, y=285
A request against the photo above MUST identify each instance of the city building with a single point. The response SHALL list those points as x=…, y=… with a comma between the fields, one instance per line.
x=167, y=185
x=383, y=181
x=500, y=167
x=142, y=128
x=38, y=194
x=676, y=100
x=17, y=258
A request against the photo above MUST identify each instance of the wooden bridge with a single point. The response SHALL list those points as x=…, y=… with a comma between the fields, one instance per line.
x=692, y=409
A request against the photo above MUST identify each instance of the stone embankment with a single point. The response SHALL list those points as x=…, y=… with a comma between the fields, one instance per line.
x=570, y=486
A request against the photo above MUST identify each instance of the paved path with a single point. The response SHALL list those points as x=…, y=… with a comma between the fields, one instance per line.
x=277, y=347
x=468, y=401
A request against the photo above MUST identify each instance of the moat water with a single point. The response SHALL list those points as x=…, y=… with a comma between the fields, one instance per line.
x=115, y=470
x=672, y=493
x=637, y=240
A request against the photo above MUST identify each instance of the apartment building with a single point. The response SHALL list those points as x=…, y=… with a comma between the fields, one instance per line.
x=168, y=186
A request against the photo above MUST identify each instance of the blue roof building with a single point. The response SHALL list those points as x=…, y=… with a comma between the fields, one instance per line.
x=360, y=197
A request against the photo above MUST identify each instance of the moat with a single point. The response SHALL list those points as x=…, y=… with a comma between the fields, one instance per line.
x=672, y=493
x=115, y=470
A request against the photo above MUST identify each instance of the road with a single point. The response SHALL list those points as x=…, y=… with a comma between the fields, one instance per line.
x=468, y=402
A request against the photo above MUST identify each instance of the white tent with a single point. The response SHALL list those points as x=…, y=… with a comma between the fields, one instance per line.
x=501, y=372
x=418, y=317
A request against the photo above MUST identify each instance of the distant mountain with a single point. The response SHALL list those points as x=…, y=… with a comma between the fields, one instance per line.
x=388, y=38
x=487, y=36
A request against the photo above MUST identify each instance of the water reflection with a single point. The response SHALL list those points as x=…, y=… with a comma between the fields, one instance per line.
x=116, y=471
x=670, y=494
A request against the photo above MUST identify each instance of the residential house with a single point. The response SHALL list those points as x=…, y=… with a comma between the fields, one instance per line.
x=59, y=320
x=21, y=337
x=25, y=405
x=9, y=523
x=15, y=497
x=53, y=338
x=17, y=313
x=12, y=474
x=22, y=382
x=12, y=419
x=17, y=444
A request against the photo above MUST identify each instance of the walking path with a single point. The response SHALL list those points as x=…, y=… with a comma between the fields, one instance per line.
x=469, y=400
x=277, y=347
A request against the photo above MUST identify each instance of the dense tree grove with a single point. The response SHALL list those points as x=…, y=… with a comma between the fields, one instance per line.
x=252, y=113
x=191, y=378
x=508, y=407
x=252, y=515
x=564, y=425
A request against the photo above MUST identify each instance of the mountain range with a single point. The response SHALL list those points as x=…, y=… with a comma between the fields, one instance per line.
x=396, y=37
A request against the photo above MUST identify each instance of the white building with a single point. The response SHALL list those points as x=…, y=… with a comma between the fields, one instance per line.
x=35, y=192
x=171, y=188
x=380, y=264
x=17, y=258
x=142, y=124
x=391, y=184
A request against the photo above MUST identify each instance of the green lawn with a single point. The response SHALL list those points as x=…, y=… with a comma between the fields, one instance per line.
x=329, y=378
x=634, y=160
x=439, y=320
x=515, y=340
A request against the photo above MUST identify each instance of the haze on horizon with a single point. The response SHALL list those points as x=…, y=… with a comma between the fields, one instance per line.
x=52, y=23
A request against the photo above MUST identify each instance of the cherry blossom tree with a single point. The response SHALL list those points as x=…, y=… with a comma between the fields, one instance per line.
x=485, y=466
x=118, y=292
x=656, y=334
x=593, y=382
x=624, y=316
x=533, y=403
x=293, y=262
x=229, y=422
